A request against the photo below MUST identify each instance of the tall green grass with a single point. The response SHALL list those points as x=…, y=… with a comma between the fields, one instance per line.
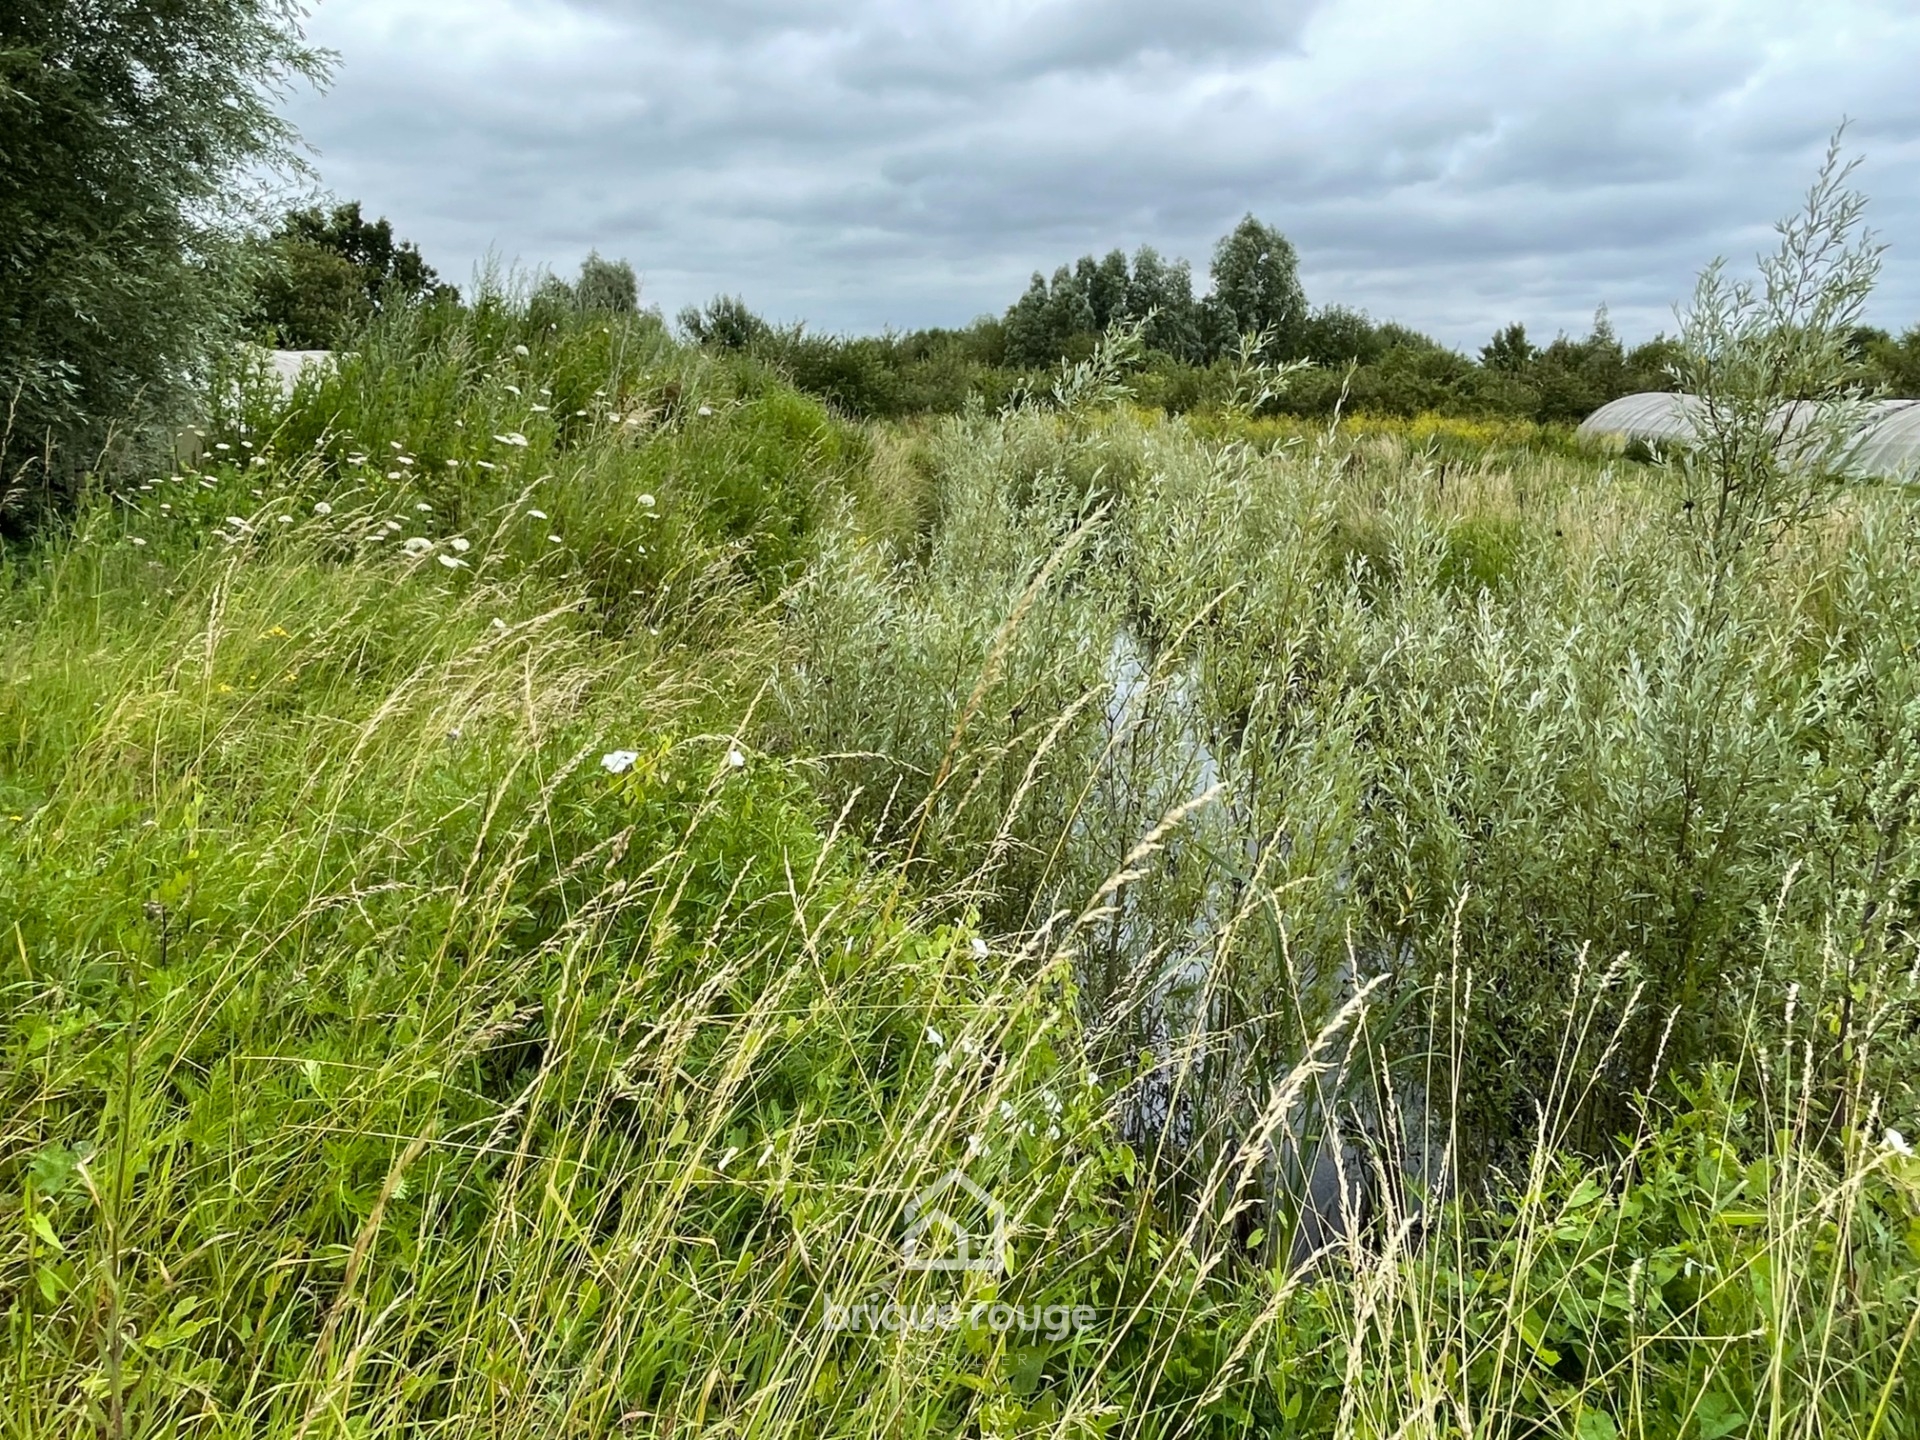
x=462, y=981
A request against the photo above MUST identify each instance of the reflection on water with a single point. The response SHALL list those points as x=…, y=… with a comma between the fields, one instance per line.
x=1222, y=1020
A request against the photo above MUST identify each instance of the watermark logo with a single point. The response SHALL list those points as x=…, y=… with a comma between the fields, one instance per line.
x=953, y=1224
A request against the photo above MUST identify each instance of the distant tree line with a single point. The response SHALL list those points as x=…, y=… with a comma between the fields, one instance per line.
x=329, y=271
x=1193, y=344
x=324, y=273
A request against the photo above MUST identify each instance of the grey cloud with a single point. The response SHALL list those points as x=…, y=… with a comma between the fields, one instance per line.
x=879, y=161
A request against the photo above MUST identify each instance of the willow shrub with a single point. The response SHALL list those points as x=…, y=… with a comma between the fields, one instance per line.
x=1506, y=717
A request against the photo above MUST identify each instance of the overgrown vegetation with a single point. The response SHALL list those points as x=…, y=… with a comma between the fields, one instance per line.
x=550, y=869
x=520, y=868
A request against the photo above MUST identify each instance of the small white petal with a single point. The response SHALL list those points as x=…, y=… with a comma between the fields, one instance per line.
x=618, y=762
x=979, y=948
x=934, y=1038
x=735, y=759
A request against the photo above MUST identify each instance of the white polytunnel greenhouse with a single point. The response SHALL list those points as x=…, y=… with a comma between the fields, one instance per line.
x=1890, y=445
x=1652, y=417
x=1886, y=445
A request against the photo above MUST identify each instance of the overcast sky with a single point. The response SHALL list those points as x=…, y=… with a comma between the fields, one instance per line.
x=1451, y=164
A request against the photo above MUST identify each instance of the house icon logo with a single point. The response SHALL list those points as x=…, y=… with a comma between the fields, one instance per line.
x=953, y=1224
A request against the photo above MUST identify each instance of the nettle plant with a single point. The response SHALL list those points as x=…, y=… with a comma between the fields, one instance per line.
x=1777, y=408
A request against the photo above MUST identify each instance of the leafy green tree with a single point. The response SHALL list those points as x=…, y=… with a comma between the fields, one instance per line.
x=1106, y=288
x=1573, y=378
x=724, y=323
x=1337, y=336
x=331, y=271
x=1028, y=334
x=1894, y=365
x=1069, y=310
x=122, y=124
x=1043, y=323
x=1650, y=366
x=607, y=285
x=307, y=297
x=1395, y=336
x=1509, y=350
x=1164, y=292
x=1256, y=286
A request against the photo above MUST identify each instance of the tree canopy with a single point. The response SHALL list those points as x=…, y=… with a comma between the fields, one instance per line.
x=1256, y=286
x=122, y=124
x=331, y=270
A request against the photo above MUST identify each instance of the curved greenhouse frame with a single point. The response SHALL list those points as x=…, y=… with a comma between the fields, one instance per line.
x=1886, y=444
x=1889, y=446
x=1656, y=417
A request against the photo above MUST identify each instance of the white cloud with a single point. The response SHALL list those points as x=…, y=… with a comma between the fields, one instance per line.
x=873, y=161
